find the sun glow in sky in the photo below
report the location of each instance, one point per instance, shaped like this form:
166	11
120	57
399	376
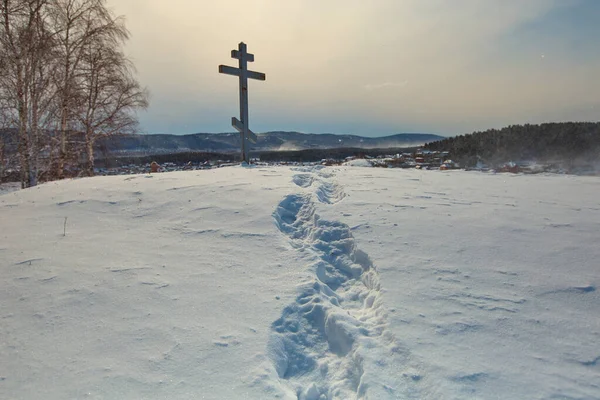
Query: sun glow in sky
367	67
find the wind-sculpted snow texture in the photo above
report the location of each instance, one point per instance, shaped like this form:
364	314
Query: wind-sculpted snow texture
301	283
332	340
508	268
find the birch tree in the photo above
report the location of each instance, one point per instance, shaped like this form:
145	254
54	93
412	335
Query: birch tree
62	72
41	92
23	46
77	24
111	96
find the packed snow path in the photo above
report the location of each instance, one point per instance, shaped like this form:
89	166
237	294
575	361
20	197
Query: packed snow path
332	341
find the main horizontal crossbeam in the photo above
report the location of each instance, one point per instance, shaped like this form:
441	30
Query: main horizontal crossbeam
226	69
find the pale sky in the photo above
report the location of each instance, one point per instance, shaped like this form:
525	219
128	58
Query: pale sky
367	67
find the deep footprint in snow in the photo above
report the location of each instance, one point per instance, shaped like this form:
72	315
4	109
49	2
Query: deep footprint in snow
303	180
330	193
315	331
325	342
326	192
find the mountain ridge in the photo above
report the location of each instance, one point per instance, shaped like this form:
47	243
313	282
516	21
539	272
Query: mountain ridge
268	141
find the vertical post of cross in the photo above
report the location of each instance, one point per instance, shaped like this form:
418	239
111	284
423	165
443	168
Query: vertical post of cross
242	125
243	65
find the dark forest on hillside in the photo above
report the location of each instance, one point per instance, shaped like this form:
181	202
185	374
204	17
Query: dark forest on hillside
568	143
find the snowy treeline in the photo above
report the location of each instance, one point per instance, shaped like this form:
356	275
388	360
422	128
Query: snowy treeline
64	82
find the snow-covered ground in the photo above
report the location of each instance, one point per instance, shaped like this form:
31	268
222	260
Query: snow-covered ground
310	283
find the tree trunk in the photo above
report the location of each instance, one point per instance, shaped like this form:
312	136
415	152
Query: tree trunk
23	146
34	142
89	145
62	155
1	160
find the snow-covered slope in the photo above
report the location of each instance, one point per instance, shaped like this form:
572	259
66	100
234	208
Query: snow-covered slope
310	283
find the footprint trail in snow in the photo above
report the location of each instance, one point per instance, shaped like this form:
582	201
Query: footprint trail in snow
332	342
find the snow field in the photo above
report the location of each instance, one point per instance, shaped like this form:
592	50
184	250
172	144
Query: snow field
490	280
307	283
164	286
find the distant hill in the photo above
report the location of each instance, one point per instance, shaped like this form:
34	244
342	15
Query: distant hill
270	141
567	143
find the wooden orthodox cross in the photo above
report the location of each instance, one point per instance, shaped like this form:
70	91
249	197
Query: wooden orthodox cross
241	125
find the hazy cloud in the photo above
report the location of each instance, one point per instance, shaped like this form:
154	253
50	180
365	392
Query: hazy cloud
471	64
385	85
